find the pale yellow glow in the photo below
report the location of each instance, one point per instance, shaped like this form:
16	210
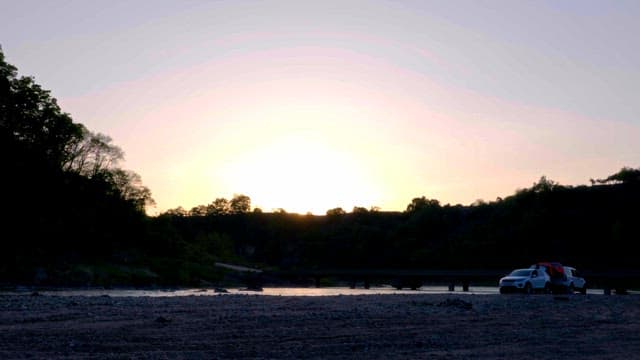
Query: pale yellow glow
302	173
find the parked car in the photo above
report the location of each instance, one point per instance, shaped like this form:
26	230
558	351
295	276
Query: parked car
525	280
574	281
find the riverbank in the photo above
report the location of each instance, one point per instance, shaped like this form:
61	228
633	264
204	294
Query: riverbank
370	326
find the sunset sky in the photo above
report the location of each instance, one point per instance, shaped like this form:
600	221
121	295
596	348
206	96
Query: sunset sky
311	105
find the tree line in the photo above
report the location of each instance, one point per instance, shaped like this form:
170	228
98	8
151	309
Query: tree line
72	215
586	226
65	197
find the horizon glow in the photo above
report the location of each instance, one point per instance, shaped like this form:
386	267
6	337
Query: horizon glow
309	107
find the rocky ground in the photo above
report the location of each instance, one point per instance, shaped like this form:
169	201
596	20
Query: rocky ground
338	327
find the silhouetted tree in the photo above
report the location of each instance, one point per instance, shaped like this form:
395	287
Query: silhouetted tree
625	175
240	204
129	185
31	121
92	155
421	203
359	210
179	211
68	199
336	212
200	210
544	185
219	206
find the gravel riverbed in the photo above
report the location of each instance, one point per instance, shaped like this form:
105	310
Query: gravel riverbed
434	326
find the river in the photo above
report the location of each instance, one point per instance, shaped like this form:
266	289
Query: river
267	291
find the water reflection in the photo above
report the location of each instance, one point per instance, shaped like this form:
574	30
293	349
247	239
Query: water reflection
333	291
273	291
268	291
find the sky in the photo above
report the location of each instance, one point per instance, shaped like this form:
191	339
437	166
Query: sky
312	105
